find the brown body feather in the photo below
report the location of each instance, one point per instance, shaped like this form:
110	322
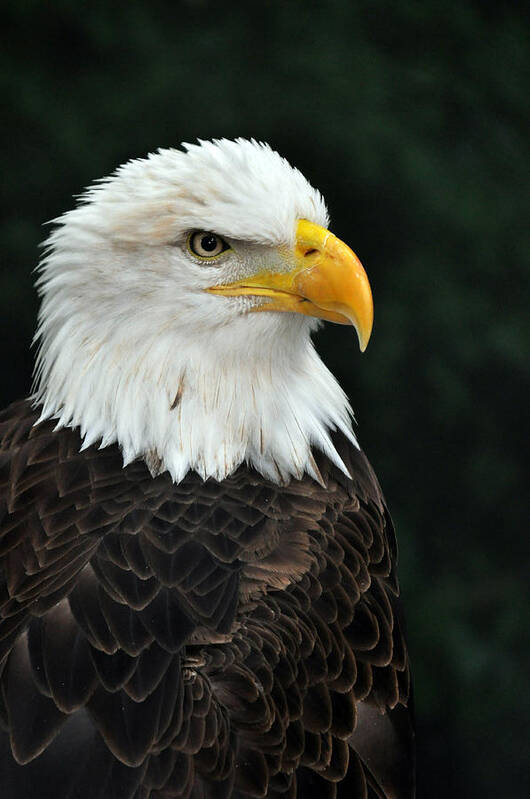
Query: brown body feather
233	639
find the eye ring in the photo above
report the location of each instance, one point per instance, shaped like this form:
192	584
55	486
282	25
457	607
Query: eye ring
206	245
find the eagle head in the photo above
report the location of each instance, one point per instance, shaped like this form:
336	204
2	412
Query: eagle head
178	299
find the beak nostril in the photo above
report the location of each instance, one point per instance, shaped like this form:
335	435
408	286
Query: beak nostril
310	252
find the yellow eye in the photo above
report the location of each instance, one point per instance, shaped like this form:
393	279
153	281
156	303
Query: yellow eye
206	245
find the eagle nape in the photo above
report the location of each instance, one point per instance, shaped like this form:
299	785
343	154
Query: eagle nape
198	588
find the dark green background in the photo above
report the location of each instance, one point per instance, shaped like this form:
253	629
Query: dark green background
410	117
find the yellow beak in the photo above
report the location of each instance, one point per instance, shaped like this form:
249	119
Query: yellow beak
324	279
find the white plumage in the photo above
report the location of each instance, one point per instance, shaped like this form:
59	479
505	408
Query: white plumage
132	348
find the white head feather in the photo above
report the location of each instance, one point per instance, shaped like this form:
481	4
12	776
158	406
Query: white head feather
134	351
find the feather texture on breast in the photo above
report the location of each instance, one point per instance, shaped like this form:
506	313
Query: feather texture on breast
201	639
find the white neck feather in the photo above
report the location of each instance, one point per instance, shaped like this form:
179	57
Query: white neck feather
197	408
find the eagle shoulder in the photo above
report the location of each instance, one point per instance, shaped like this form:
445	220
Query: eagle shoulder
240	638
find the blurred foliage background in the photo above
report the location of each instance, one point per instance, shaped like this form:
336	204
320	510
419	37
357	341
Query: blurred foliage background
410	117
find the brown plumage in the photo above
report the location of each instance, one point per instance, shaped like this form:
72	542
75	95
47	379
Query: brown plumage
206	639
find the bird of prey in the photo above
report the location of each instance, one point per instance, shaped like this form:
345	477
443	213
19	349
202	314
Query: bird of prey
198	591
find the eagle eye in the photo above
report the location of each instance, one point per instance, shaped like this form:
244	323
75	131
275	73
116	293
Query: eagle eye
206	245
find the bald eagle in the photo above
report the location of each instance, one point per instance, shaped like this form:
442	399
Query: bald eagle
198	592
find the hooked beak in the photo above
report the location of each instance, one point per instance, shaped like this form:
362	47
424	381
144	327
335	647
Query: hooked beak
324	278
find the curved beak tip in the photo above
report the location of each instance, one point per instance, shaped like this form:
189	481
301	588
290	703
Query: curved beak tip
363	336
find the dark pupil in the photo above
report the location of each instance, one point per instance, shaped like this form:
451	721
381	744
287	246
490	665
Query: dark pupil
209	243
